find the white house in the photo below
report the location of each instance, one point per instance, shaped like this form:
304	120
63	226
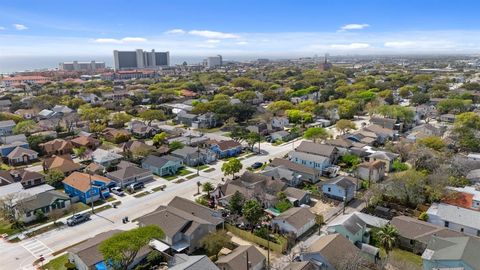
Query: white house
455	218
296	220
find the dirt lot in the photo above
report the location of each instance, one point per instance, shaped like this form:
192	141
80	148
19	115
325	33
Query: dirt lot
239	241
320	207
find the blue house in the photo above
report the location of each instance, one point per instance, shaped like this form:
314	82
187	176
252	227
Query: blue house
6	127
162	166
226	149
452	253
7	148
340	188
85	188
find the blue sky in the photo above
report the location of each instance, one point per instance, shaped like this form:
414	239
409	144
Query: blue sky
238	28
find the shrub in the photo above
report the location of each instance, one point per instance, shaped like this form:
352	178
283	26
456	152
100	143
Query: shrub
399	166
423	216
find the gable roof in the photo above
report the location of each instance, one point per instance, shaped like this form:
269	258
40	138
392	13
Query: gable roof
20	151
383	155
185	262
42	199
455	214
5	178
454	248
101	156
316	148
64	164
228	144
88	251
333	247
236	259
308	156
7	123
342	181
156	161
126	172
412	228
56	145
296	216
84	140
81	181
293	166
197	210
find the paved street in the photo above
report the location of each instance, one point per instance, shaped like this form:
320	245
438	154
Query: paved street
23	254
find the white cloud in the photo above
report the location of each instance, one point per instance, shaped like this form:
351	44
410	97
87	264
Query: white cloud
176	31
399	44
214	41
120	41
2	28
242	43
354	26
213	34
20	27
351	46
133	39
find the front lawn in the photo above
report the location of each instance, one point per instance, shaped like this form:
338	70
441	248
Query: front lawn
141	194
57	263
170	177
6	228
406	256
184	172
209	170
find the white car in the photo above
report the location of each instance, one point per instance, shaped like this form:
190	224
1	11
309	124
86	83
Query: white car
117	191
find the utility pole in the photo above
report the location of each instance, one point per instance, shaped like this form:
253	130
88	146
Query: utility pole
91	191
268	250
198	160
248	262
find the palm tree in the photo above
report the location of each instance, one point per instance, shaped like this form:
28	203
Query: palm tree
387	237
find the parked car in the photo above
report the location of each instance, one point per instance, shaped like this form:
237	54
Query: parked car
117	191
136	186
77	219
256	165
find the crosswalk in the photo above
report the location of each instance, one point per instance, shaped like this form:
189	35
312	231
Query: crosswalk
37	248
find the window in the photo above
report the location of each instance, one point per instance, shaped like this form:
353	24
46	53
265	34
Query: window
461	229
29	213
447	224
478	233
329	189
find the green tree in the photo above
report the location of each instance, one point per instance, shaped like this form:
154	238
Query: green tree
54	177
97	115
344	125
315	133
119	119
252	138
120	250
207	187
279	106
420	98
235	203
25	127
80	151
408	187
150	115
231	167
453	105
319	220
175	145
432	142
214	242
159	139
387	236
466	130
252	211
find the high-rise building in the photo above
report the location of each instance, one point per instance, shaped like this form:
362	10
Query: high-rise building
139	59
81	66
214	61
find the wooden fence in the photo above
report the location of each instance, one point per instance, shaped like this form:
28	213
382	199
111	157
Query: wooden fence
246	235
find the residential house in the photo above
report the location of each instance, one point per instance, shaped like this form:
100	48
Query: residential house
414	235
184	223
206	120
355	226
340	188
6	178
136	148
328	151
182	261
162	166
306	265
85	141
307	174
21	155
343	145
388	123
46	202
128	173
65	164
141	130
56	147
474	176
106	158
6	127
296	220
94	168
61	109
291	178
13	138
382	134
372	171
5	105
8	148
259	128
297	197
452	253
282	135
279	123
186	119
317	162
448	117
112	134
87	256
226	149
28	179
386	157
473	156
331	252
87	188
429	130
455	218
195	156
466	197
236	260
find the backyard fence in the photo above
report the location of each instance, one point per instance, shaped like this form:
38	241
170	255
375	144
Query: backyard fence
257	240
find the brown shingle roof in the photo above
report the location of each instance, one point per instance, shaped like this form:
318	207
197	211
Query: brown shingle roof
56	145
236	259
296	216
421	231
333	247
62	163
316	148
81	181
